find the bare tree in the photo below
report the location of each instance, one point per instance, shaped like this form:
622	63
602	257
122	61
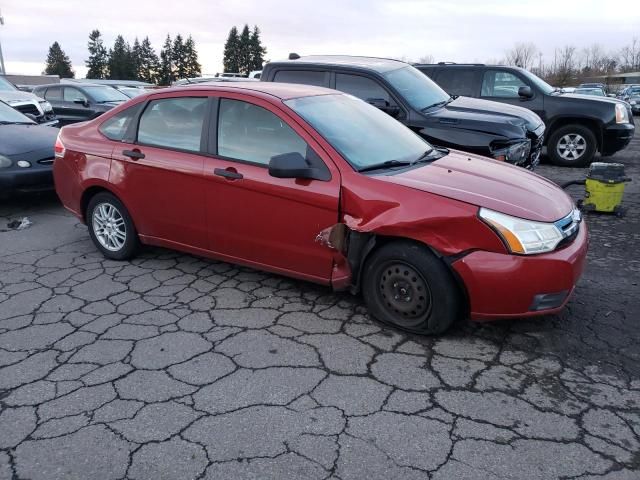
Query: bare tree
522	55
630	56
564	65
426	59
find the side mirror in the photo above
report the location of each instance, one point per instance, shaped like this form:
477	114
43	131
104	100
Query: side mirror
293	165
81	101
525	92
383	105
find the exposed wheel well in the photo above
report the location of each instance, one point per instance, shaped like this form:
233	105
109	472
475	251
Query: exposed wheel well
585	122
362	246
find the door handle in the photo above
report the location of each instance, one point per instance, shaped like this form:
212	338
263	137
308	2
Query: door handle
133	154
227	173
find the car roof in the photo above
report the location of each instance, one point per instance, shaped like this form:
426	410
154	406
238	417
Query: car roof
374	63
76	85
283	91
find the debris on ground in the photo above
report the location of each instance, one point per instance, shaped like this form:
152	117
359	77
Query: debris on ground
20	224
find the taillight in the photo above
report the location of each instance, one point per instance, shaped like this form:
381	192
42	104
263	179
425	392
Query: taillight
59	149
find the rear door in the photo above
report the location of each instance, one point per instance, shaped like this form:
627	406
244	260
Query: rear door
502	86
54	96
160	170
259	219
459	81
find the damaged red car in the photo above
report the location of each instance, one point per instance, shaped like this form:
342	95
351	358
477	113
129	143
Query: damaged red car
318	185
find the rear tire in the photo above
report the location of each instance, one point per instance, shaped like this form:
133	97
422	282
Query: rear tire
407	286
111	227
572	146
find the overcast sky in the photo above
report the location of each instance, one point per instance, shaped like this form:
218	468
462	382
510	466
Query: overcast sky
451	30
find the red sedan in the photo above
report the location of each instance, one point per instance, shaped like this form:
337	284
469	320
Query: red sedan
318	185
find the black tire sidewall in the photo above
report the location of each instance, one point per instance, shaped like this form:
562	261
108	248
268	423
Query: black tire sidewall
445	307
581	130
131	243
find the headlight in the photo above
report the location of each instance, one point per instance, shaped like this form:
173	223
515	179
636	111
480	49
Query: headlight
523	236
516	153
622	114
5	162
46	106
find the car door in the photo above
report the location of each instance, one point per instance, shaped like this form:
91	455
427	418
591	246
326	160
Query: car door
160	170
259	219
502	86
54	96
76	105
459	81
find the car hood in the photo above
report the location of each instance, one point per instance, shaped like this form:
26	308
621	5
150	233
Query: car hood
500	112
21	139
591	98
8	96
488	183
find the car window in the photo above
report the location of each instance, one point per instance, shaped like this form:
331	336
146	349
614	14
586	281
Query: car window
116	127
53	93
501	84
73	94
305	77
254	134
173	122
457	81
362	87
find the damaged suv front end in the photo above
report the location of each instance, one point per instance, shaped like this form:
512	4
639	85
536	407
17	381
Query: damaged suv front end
36	108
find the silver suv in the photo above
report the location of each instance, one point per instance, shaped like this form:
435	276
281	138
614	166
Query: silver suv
27	103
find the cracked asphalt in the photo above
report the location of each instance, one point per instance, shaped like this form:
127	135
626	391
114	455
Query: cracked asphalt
178	367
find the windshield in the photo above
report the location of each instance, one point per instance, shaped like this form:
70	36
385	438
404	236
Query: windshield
417	89
6	85
132	92
364	135
9	115
541	84
106	94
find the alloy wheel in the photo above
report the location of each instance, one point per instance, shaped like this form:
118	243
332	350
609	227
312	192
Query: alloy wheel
109	227
571	146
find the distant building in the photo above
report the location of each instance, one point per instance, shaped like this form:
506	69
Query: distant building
32	80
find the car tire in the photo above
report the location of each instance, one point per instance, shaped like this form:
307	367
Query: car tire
111	227
572	146
407	286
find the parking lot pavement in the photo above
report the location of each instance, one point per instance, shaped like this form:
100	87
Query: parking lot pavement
174	367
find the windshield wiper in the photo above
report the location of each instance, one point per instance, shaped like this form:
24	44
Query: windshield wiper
387	164
4	122
438	104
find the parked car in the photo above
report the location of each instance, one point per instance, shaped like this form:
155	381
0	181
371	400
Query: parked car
595	91
27	103
26	152
131	92
601	86
505	133
80	102
577	126
318	185
631	95
255	74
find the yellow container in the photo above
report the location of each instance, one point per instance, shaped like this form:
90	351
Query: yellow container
604	187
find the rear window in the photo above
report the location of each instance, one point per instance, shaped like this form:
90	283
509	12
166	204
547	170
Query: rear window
54	93
306	77
116	127
174	123
457	81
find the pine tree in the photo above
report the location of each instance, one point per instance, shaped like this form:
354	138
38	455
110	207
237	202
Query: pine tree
149	67
244	53
231	52
166	75
58	62
257	51
98	60
121	65
178	57
136	58
192	66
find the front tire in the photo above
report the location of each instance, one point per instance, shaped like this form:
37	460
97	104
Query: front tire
111	227
407	286
572	146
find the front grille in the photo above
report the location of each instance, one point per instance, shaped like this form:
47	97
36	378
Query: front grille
46	161
28	108
569	226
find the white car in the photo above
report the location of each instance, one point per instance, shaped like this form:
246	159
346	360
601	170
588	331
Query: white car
27	103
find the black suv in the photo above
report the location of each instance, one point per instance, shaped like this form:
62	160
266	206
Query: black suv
77	103
512	134
577	125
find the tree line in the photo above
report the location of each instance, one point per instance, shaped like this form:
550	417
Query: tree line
178	59
243	52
